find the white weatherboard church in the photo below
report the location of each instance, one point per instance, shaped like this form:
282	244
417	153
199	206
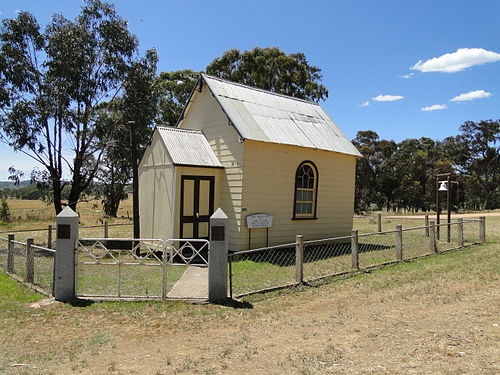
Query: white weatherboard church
276	164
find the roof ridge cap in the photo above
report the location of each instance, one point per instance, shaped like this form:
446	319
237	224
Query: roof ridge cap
259	89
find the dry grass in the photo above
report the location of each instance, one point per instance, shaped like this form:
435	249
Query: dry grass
437	315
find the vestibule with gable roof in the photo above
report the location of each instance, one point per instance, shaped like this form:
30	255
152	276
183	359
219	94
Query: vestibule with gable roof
248	151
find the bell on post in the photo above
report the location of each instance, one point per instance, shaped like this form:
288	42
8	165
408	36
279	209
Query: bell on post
443	186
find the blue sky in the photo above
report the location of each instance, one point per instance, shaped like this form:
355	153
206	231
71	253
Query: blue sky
369	52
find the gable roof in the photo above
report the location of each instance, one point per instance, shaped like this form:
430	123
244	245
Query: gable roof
188	147
264	116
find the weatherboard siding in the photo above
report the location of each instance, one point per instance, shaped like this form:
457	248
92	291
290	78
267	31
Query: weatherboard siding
268	187
156	195
206	115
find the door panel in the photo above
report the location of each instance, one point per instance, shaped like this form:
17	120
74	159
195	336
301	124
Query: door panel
197	205
204	208
188	206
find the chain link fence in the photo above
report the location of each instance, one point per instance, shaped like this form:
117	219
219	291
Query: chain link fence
135	268
326	257
261	269
274	267
28	263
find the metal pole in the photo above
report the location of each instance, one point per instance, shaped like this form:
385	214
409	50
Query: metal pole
437	207
448	204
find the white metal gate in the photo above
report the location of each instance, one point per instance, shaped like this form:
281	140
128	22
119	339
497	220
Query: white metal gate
138	268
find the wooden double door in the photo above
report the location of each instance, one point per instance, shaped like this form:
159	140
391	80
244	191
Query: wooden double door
197	205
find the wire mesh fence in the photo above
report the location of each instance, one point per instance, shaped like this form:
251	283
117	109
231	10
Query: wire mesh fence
376	248
416	242
133	268
263	268
326	257
471	230
273	267
30	263
4	243
43	266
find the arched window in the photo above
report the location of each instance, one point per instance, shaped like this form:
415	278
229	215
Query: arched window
306	191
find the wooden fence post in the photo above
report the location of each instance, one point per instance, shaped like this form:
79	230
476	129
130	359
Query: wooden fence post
30	261
355	250
49	237
460	227
426	225
399	243
432	237
299	259
379	222
106	229
10	254
482	229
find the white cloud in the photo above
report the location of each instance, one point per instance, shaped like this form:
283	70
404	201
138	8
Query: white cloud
364	104
461	59
387	98
435	107
407	76
471	95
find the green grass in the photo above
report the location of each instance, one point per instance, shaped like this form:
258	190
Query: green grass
14	295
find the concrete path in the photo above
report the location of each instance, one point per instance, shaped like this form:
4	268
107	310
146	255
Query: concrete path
192	284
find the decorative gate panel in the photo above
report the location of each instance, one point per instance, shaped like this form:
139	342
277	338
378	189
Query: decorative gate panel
135	268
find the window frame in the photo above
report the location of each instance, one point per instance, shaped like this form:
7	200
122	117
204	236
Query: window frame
313	215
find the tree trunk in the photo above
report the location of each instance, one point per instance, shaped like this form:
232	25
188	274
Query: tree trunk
135	182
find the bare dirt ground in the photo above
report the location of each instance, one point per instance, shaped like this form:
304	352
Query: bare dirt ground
437	315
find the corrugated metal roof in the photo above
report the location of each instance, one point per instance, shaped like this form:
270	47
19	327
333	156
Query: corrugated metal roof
269	117
188	147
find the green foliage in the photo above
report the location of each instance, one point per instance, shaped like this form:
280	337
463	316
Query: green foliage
273	70
51	84
175	88
403	176
130	116
5	212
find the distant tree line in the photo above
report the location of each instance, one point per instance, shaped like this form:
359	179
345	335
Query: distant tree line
80	87
402	176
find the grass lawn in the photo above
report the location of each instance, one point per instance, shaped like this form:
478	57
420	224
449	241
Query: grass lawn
432	315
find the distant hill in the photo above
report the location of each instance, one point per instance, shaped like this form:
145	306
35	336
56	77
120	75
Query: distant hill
11	185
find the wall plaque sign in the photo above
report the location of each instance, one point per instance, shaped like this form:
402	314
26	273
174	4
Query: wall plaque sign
259	221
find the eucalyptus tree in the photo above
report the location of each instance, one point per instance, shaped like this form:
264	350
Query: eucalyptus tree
174	89
133	112
476	152
51	83
273	70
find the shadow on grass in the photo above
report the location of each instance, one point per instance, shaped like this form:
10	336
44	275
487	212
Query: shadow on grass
80	302
286	256
235	304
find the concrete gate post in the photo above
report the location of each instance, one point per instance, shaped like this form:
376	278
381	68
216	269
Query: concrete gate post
65	267
217	258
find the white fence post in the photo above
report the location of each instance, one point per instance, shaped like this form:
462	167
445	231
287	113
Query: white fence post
65	267
299	259
217	258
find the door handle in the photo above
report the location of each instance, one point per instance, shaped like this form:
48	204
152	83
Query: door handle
197	215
